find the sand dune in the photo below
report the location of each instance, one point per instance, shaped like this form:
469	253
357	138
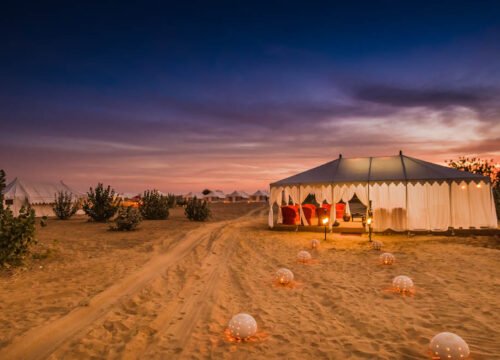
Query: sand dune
172	296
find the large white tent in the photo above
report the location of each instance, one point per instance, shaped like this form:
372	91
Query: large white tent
406	193
39	195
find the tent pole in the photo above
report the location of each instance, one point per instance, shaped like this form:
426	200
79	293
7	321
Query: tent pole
451	207
406	188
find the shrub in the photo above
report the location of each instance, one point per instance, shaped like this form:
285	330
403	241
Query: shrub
197	209
154	206
2	187
128	219
64	206
171	200
101	204
17	234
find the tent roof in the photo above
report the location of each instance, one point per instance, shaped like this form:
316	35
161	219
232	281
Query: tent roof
239	193
385	168
36	192
260	193
217	194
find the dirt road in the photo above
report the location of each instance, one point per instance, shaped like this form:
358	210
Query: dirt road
154	308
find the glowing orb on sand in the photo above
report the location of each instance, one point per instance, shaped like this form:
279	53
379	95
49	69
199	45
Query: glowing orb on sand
402	284
387	259
304	256
242	326
447	345
314	244
284	276
377	245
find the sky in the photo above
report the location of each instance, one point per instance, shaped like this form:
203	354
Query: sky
183	96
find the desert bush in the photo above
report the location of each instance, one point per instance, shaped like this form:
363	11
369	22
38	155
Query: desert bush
17	234
64	205
127	219
484	167
171	200
154	206
101	204
43	221
2	187
197	209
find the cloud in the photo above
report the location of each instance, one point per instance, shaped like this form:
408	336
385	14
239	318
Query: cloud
399	96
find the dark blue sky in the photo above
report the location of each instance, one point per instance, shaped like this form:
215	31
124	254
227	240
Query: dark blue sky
234	95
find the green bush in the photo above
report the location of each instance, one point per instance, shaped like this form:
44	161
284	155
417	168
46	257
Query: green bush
197	209
43	221
2	187
101	204
17	234
64	206
128	219
171	200
154	206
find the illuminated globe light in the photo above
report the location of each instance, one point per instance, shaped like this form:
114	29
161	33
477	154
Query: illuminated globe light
304	256
449	346
284	276
387	259
402	284
314	244
242	326
377	245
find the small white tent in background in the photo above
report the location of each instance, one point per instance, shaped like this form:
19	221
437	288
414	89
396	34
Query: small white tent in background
39	195
215	196
259	196
236	196
191	195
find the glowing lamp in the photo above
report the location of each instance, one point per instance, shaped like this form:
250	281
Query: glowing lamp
387	259
325	221
450	346
369	221
377	245
242	326
478	186
304	256
284	276
463	187
314	244
402	284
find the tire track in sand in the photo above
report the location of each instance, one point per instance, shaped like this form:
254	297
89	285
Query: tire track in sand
173	333
40	342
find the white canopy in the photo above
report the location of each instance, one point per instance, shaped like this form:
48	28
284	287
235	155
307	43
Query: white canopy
38	194
406	193
240	194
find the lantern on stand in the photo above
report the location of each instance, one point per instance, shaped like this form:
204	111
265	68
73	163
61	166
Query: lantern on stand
369	221
325	221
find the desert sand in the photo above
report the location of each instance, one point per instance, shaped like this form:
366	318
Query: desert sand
168	290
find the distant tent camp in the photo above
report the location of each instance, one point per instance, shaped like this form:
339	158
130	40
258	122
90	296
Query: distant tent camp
215	196
39	195
191	195
259	196
236	196
406	193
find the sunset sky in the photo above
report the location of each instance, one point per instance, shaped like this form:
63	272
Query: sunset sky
184	96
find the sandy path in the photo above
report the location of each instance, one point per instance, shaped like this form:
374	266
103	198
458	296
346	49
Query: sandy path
40	342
